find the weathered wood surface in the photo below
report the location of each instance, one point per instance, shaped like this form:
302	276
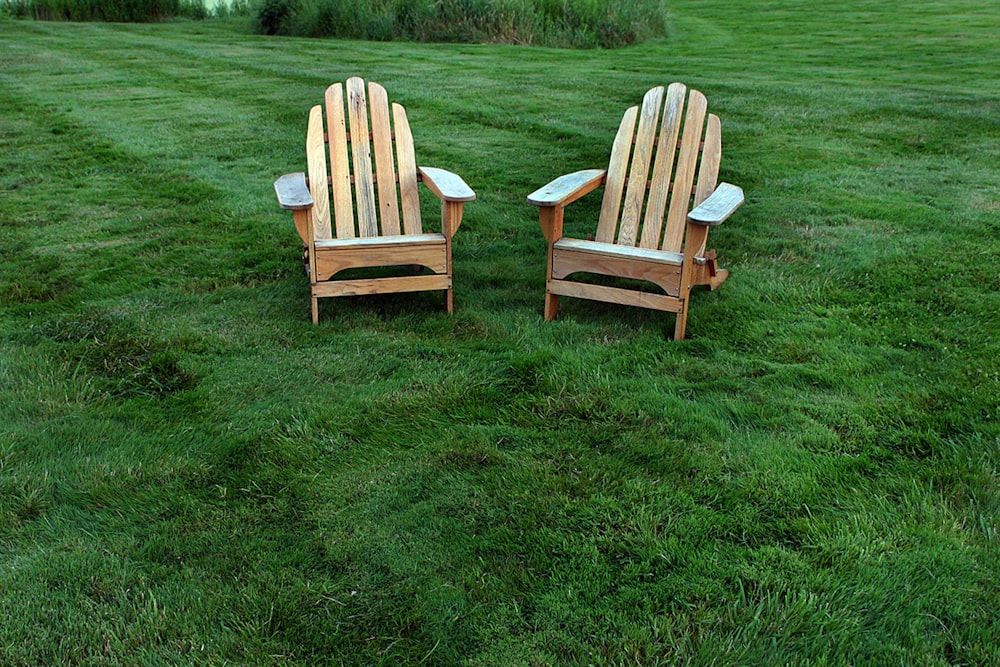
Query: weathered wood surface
642	157
717	208
340	164
616	250
684	172
385	166
316	159
364	286
614	183
617	295
568	188
386	241
446	185
407	163
293	193
361	155
659	187
331	261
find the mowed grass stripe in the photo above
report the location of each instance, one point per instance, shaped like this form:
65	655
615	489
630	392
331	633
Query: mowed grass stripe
192	473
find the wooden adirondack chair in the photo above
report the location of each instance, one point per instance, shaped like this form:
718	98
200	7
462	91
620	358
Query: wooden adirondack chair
372	181
651	180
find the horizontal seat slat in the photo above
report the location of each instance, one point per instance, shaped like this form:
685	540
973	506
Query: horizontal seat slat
615	250
377	241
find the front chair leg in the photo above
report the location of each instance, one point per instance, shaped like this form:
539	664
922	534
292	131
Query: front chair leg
551	220
450	215
680	326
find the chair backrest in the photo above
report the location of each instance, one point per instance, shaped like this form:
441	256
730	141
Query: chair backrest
372	176
660	170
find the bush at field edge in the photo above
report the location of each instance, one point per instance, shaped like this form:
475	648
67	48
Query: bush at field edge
572	23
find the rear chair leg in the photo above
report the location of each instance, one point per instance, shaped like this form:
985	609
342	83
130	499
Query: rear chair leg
315	310
449	301
719	278
551	306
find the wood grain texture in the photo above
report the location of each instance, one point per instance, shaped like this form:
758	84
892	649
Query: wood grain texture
365	286
446	185
382	241
663	167
650	255
330	262
361	155
293	193
617	295
406	162
385	167
614	183
340	166
642	157
566	262
568	188
684	172
316	160
719	206
711	156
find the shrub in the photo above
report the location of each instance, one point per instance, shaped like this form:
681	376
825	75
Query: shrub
575	23
132	11
15	8
235	8
274	17
193	9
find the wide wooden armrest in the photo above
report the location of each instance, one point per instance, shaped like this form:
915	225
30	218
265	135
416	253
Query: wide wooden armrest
293	194
720	205
568	188
446	185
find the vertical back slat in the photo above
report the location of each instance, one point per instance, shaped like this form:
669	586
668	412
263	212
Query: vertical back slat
385	168
642	158
407	164
687	162
711	156
318	178
340	166
615	182
666	152
361	153
708	172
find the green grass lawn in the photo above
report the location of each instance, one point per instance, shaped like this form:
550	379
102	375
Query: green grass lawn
191	473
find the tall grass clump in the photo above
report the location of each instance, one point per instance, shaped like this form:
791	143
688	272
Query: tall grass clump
123	11
15	8
565	23
118	11
198	9
235	8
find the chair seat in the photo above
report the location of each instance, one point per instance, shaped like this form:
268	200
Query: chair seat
381	241
622	251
